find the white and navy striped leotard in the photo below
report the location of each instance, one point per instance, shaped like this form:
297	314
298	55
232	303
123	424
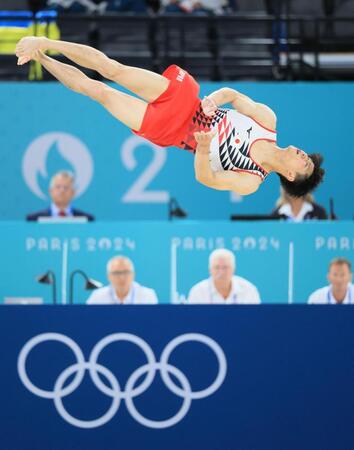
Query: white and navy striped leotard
231	147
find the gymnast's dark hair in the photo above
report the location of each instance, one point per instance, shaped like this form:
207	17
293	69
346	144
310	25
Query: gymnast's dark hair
302	184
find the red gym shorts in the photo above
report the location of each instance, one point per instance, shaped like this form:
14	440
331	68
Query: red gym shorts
166	118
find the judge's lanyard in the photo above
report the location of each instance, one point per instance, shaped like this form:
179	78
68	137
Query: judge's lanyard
130	299
212	293
348	294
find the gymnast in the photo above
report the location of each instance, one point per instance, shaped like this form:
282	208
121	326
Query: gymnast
235	149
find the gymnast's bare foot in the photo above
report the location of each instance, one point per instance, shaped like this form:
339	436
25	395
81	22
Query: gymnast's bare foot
27	47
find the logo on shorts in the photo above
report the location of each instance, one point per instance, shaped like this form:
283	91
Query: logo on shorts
72	153
181	75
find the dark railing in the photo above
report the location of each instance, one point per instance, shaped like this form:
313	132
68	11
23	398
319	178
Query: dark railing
215	48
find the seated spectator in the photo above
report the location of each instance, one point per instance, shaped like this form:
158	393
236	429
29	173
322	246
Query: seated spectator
340	290
122	290
98	6
78	6
297	209
223	287
194	6
137	6
61	191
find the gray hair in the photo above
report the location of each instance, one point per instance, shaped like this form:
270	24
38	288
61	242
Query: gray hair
222	253
65	174
341	261
120	258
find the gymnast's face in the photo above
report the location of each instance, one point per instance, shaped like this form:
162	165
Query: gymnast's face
298	163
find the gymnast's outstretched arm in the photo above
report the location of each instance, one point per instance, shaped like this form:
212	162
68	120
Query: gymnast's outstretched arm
243	104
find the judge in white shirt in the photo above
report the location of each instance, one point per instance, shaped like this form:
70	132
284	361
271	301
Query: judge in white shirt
341	290
223	287
122	290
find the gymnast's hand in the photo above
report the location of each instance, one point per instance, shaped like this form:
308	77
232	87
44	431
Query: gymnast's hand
27	48
204	139
209	107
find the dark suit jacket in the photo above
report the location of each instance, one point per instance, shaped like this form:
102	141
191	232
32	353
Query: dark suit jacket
47	213
318	213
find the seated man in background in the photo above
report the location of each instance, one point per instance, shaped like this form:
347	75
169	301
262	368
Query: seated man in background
223	287
61	191
297	209
194	6
98	6
122	290
340	290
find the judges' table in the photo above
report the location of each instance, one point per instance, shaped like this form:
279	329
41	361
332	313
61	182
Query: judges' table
169	377
286	261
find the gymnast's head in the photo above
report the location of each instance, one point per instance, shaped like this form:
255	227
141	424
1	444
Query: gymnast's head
303	172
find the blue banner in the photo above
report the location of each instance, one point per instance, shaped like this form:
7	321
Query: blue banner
286	261
211	378
46	128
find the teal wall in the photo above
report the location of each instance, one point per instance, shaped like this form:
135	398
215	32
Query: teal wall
45	127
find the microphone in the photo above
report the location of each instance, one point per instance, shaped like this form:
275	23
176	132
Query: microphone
332	215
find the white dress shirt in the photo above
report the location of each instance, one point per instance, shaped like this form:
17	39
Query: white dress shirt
324	296
138	295
287	211
242	292
55	210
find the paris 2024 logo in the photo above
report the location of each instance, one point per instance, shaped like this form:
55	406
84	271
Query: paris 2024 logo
71	149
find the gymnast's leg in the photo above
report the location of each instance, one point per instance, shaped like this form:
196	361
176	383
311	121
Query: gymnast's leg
144	83
129	110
